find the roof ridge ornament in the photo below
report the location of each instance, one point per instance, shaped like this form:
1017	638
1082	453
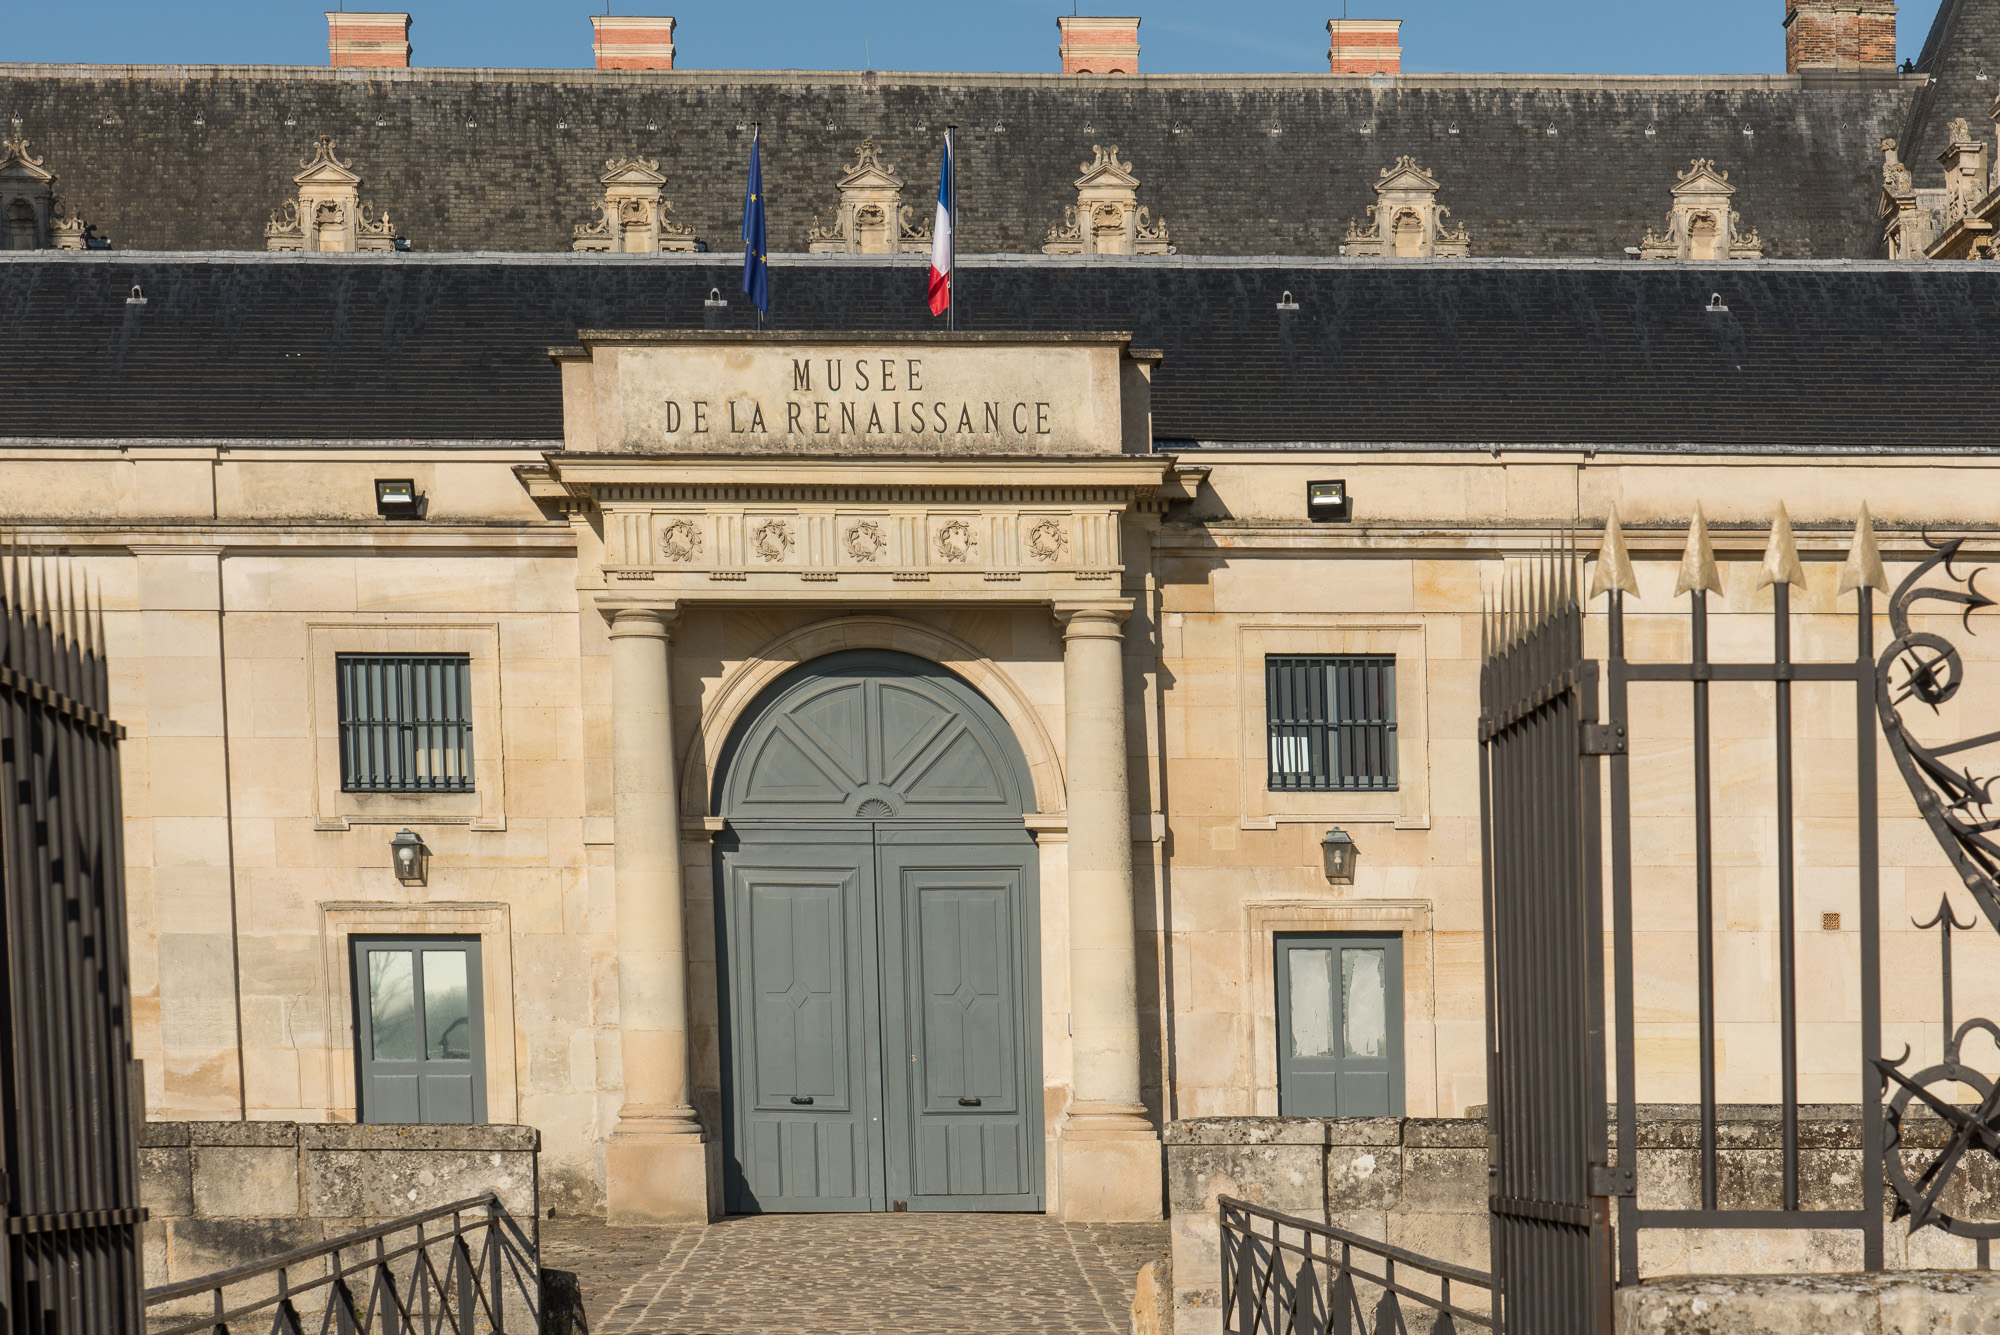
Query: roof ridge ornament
1781	558
1698	570
1614	565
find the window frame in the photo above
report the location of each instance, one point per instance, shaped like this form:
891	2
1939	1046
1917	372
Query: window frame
1346	677
409	696
359	945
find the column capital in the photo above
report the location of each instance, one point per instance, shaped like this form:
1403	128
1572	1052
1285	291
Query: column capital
1099	620
643	615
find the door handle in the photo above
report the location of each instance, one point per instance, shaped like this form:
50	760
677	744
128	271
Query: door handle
802	1099
968	1103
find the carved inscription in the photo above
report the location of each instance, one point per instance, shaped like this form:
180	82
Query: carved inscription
880	397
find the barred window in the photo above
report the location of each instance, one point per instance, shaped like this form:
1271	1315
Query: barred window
405	723
1332	722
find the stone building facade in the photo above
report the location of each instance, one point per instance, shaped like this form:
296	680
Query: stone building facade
947	629
854	765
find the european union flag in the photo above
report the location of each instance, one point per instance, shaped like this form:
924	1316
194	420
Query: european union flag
756	266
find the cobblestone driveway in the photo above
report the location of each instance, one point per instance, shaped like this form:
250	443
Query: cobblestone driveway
826	1274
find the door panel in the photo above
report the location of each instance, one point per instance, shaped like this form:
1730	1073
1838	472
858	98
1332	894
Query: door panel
963	1112
1340	1025
419	1030
801	1021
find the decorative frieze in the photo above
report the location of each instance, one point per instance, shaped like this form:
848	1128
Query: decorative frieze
1406	221
1704	225
633	217
32	215
1107	218
887	543
872	218
328	214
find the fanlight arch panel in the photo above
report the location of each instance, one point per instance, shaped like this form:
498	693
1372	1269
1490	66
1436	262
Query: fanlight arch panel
872	735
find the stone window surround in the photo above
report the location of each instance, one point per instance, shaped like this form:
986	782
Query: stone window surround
1408	806
1263	920
484	808
341	921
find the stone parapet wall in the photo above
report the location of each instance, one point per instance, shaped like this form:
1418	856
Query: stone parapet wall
1420	1183
224	1194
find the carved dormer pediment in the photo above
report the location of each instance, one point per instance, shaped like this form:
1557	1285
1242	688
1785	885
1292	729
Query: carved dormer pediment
1703	226
32	216
871	218
1107	218
328	214
632	219
1406	221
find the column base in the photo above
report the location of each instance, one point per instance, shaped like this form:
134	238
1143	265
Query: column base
1110	1174
653	1179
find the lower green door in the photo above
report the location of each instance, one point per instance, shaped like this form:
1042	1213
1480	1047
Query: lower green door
879	994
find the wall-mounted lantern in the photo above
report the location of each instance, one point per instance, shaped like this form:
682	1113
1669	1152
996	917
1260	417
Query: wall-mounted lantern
1341	856
411	857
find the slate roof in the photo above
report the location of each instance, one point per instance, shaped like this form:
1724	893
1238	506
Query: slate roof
1807	356
197	158
1962	57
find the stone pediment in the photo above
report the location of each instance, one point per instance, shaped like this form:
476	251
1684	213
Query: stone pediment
323	168
1106	170
1406	175
869	173
632	171
16	166
1701	178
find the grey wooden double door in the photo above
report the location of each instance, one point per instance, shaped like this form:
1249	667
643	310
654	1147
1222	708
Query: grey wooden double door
878	923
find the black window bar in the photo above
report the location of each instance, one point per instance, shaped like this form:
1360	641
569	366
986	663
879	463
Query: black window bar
1332	720
405	723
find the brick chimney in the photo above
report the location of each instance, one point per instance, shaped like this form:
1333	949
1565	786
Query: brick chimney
1840	35
380	41
1365	46
1099	45
624	43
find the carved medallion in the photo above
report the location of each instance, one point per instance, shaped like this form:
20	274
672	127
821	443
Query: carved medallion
774	540
956	543
1047	540
680	541
865	541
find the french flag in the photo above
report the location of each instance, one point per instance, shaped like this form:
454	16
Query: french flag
941	238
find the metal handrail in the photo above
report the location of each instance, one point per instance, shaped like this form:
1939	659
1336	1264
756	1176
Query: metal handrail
478	1284
1271	1279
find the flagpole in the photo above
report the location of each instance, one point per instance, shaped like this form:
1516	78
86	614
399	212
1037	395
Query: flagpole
757	147
957	285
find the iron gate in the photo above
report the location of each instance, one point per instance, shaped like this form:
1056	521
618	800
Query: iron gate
1538	798
66	1125
1542	743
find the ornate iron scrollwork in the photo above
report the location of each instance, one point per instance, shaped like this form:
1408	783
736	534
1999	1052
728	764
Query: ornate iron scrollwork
1958	806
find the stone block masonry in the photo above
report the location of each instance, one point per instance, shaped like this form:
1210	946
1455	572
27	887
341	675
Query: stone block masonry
1421	1183
224	1194
1093	45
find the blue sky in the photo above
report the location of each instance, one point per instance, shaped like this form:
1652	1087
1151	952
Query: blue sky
1526	36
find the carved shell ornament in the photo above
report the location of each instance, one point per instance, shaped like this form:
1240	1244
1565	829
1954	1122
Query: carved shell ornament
865	541
1047	540
956	543
773	540
680	541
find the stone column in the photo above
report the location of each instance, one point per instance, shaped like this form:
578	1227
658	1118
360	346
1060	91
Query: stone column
657	1166
1109	1152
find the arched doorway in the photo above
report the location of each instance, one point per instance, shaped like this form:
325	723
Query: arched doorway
877	915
